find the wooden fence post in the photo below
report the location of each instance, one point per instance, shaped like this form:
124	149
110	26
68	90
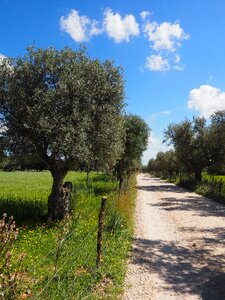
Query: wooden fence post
101	218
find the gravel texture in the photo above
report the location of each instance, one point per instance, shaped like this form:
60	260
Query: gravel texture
179	245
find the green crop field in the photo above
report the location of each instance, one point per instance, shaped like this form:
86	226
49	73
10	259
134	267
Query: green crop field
60	258
24	194
31	185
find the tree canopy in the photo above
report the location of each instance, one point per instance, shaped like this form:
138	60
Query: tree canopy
165	164
216	142
190	143
63	107
136	141
198	146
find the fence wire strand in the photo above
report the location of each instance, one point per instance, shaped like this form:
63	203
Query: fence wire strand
61	267
109	209
52	251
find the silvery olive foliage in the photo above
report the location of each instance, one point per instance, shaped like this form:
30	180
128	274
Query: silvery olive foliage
135	141
64	107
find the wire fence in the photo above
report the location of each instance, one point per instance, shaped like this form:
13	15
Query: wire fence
67	281
68	269
54	249
76	261
75	254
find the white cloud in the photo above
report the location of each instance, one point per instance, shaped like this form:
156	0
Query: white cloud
165	36
80	28
177	65
164	39
206	99
157	63
118	28
157	114
155	145
178	68
177	59
144	15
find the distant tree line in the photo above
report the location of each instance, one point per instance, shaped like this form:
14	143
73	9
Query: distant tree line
61	111
198	146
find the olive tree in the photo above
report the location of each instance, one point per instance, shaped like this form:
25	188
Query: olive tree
164	165
51	100
216	142
190	141
136	141
106	132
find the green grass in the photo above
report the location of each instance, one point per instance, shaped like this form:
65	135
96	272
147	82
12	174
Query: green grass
211	186
210	177
75	275
24	194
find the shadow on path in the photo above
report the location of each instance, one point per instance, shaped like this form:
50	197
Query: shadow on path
186	270
184	201
199	205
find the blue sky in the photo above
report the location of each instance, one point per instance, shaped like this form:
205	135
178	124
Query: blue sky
173	52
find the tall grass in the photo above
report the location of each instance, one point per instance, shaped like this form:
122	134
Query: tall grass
211	186
62	262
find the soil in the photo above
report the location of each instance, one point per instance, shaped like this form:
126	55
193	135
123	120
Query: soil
179	245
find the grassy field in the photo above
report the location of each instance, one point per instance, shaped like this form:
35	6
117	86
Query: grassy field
211	186
24	194
60	258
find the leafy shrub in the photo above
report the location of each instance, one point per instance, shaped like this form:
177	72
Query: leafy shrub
188	184
212	189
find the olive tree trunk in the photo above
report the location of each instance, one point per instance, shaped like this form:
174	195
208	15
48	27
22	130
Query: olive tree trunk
121	182
198	175
56	205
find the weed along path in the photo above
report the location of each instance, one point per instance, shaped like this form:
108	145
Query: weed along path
179	245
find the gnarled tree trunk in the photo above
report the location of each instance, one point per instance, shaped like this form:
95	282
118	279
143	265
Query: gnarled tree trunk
56	209
198	175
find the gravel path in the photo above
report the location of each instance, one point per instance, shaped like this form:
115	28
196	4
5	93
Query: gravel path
179	245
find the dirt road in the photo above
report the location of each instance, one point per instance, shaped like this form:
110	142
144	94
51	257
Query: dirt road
179	245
